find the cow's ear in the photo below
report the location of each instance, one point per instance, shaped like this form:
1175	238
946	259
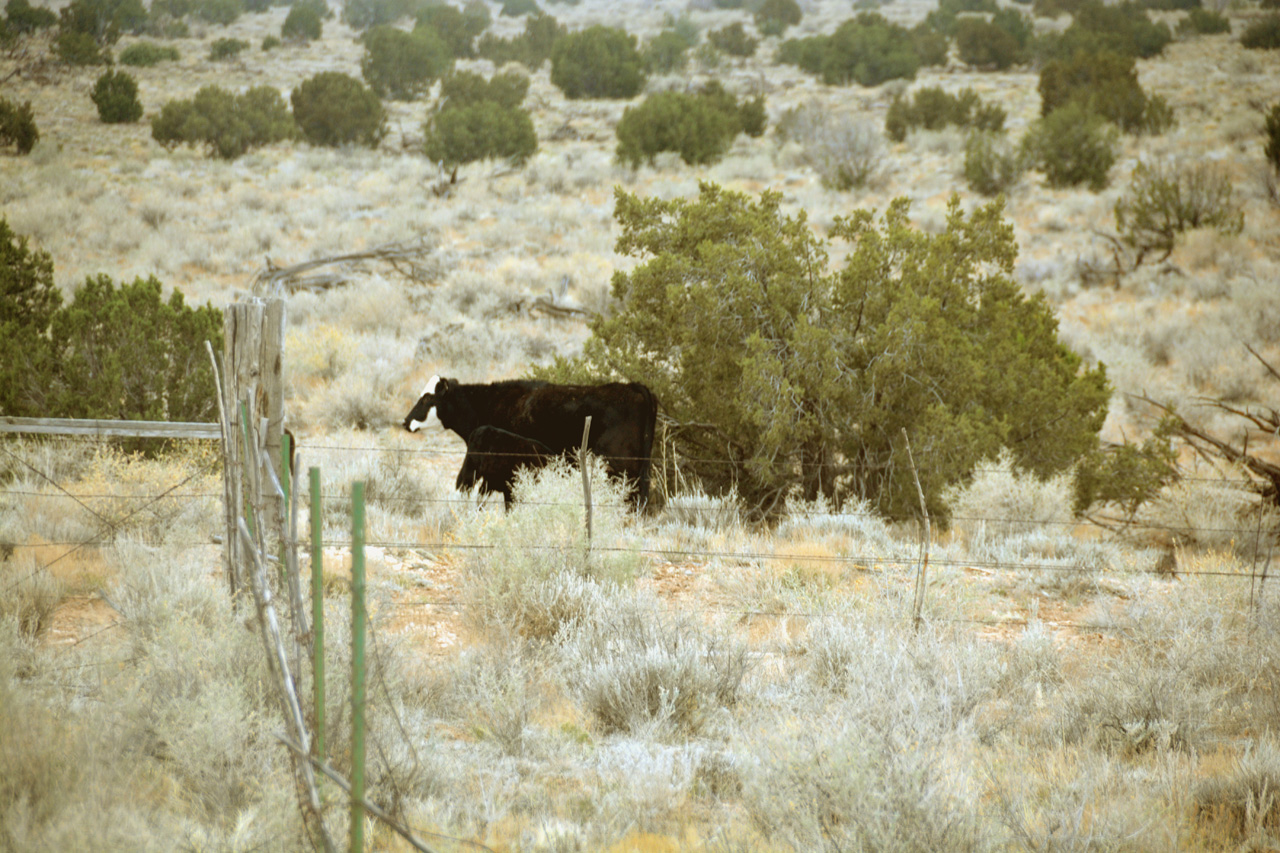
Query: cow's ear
444	386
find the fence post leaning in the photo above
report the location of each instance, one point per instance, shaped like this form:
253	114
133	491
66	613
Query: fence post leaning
924	545
357	668
586	476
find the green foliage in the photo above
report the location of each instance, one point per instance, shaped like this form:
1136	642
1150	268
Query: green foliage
335	109
221	12
1203	22
983	44
402	65
666	52
1104	83
733	40
932	108
145	54
991	164
1072	146
367	14
700	126
805	377
77	48
531	48
516	8
1262	34
21	18
302	24
92	18
1126	475
1271	128
116	96
946	17
270	42
1123	28
1165	200
111	353
930	47
227	48
456	29
18	125
480	119
773	17
598	62
867	50
228	124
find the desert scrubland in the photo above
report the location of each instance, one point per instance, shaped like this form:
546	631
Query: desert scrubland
695	679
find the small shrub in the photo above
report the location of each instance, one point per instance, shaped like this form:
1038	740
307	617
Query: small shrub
984	44
846	152
454	27
635	669
1203	22
116	97
516	8
598	62
932	108
773	17
1163	201
483	130
1104	83
1271	128
992	165
77	48
666	52
145	54
695	126
1262	34
228	124
531	48
867	50
335	109
221	12
18	125
302	24
367	14
226	48
21	18
270	43
1157	116
1072	146
402	65
1007	502
733	40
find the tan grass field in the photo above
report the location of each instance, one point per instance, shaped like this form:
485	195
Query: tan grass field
695	682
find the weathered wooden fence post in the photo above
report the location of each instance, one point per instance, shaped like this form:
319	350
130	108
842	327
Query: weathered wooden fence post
253	374
586	475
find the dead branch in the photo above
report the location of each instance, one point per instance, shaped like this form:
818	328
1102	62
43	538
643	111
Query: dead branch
1211	448
407	258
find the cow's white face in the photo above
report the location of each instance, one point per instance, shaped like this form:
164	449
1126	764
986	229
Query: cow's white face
431	419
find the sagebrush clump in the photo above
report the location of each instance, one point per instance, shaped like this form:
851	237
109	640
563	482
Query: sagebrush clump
932	108
1164	200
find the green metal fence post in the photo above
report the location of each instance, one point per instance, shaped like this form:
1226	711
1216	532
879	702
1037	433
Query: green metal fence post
357	668
317	609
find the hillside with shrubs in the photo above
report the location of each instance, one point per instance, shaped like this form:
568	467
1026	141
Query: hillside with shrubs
964	323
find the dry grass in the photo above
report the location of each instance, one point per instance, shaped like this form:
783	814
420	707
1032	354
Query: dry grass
1072	703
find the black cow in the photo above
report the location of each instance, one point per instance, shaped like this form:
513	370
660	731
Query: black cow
493	457
623	416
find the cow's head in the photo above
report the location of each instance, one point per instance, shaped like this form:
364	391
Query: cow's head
421	413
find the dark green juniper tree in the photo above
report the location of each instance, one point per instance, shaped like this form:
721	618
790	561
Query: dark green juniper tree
805	377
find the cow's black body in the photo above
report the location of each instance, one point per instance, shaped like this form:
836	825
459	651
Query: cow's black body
623	416
493	457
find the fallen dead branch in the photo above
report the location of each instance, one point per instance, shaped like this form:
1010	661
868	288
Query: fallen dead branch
408	258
